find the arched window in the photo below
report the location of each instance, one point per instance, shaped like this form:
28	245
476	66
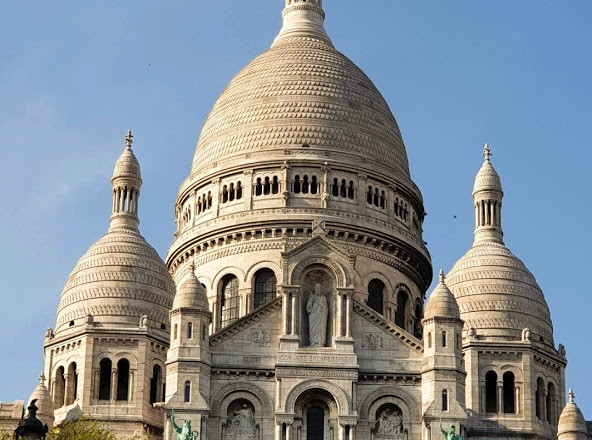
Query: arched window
232	193
382	199
369	195
444	400
540	397
265	287
204	332
443	339
225	194
335	188
156	385
123	373
187	394
551	418
297	185
376	295
417	317
376	196
190	331
72	390
315	423
491	392
59	388
175	331
105	367
401	308
209	199
350	190
430	340
230	301
314	187
509	393
305	185
258	187
343	189
275	185
266	186
239	191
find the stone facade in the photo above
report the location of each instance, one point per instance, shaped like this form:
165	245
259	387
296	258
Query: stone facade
290	305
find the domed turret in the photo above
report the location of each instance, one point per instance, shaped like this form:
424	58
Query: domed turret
441	302
572	425
44	402
191	294
497	295
121	277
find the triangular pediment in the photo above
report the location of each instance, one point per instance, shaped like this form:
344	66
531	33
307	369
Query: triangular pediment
318	245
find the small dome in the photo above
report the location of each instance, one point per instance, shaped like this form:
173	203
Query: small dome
441	302
127	166
44	402
571	419
487	179
191	294
118	280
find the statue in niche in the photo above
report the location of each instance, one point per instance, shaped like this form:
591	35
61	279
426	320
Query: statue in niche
184	432
241	425
389	425
317	309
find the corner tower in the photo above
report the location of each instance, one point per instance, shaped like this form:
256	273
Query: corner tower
112	325
515	375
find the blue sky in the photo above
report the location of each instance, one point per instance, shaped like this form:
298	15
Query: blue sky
74	76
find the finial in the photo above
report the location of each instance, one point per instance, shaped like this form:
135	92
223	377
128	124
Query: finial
129	139
487	152
42	379
571	396
442	276
192	266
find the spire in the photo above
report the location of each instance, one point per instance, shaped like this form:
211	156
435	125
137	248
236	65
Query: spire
441	276
303	18
487	197
126	183
571	398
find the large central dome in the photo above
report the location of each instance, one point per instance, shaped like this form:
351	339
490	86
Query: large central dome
301	91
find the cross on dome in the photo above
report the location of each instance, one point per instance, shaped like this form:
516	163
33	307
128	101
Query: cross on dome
129	139
571	396
487	152
441	276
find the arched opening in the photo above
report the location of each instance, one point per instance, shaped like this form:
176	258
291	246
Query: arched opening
123	374
443	339
224	194
297	184
190	330
369	195
417	317
491	392
551	417
430	340
444	400
265	287
509	393
540	398
350	190
229	299
335	188
376	295
105	367
232	192
343	189
59	388
258	187
239	191
314	186
315	423
317	315
156	384
275	185
266	186
402	299
72	384
187	393
175	331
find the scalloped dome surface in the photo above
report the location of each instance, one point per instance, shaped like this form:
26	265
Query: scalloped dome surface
301	91
487	179
498	296
441	303
118	280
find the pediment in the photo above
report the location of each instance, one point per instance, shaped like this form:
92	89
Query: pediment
317	245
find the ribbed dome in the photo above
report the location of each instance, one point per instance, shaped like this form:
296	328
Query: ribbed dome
301	91
496	293
441	302
571	419
118	280
44	402
191	294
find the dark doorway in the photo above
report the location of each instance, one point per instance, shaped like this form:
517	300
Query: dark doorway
376	295
315	423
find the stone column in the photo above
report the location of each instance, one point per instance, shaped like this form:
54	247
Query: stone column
294	329
248	190
325	186
339	332
67	386
348	312
362	193
286	186
500	397
216	196
289	433
341	432
113	384
285	312
130	386
517	407
278	431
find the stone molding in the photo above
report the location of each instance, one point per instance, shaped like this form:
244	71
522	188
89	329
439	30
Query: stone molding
342	399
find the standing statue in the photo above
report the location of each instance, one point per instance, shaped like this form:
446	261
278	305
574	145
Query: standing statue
241	425
185	432
450	434
389	424
317	310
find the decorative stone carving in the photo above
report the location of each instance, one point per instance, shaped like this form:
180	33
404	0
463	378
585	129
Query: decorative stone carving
389	425
317	309
261	337
372	341
241	424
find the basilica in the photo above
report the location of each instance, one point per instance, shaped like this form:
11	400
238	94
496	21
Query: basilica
291	304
